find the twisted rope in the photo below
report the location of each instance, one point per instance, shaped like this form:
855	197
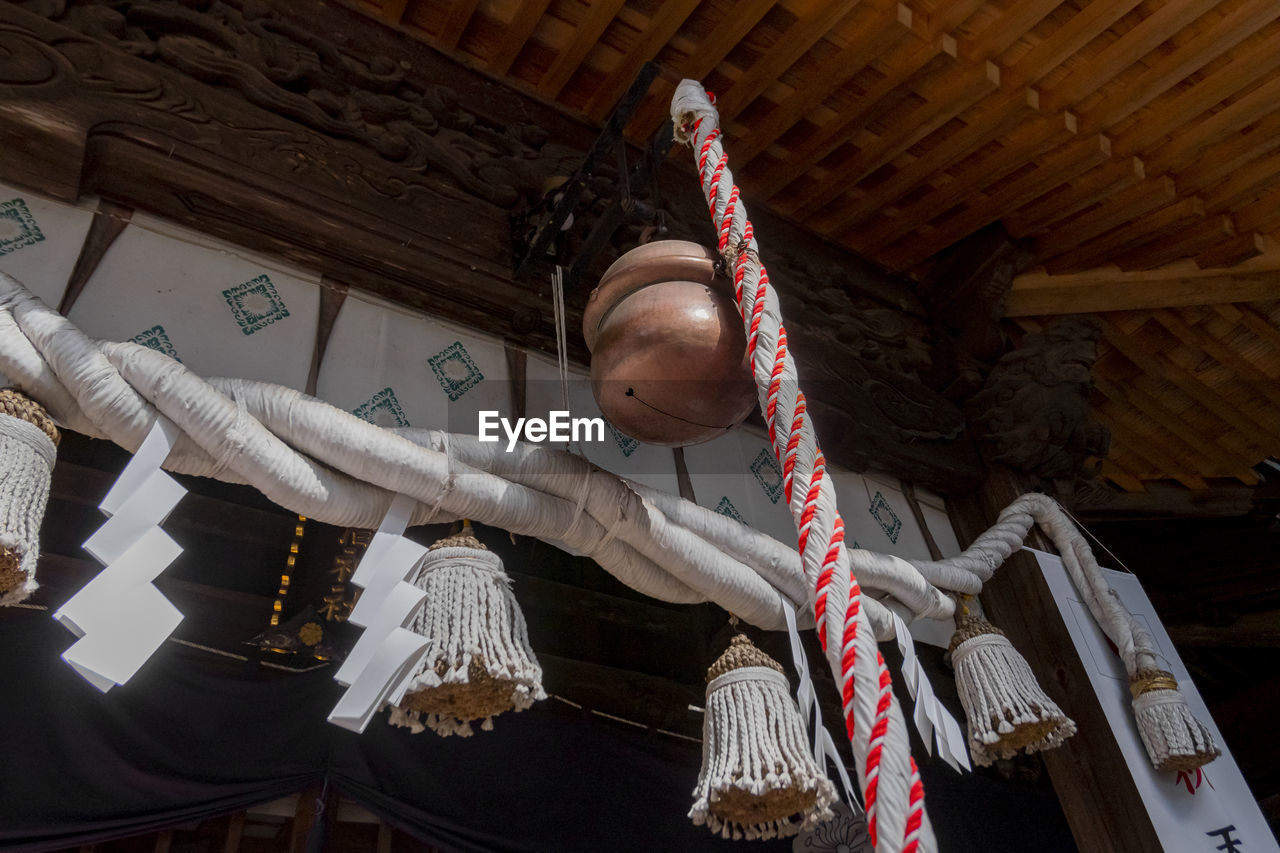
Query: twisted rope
887	773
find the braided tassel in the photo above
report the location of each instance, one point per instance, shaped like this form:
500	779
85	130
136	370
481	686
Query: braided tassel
1004	705
758	778
479	662
28	447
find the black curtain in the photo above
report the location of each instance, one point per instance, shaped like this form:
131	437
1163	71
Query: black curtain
193	735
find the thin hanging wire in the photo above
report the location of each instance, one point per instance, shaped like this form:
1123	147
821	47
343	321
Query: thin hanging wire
562	355
1101	545
562	342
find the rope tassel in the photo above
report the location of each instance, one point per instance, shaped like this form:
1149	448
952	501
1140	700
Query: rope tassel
1174	738
1004	705
28	447
758	778
478	662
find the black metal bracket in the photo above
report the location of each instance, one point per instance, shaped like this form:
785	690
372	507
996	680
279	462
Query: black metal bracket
645	172
570	193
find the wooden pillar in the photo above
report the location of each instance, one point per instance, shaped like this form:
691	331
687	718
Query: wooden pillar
1092	781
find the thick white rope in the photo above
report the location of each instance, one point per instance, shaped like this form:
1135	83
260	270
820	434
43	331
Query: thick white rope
260	434
887	772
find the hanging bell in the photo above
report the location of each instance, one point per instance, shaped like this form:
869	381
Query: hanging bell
28	447
668	353
478	662
758	778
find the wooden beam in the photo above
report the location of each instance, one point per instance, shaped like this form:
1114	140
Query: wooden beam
599	15
303	817
1195	130
1232	251
1070	198
1166	501
723	38
1185	59
235	832
1263	214
1069	162
1108	289
1121	476
1039	138
667	20
1246	315
802	35
1244	184
1141	440
1082	28
902	68
1214	163
1153	30
1249	630
1155	225
392	11
455	24
516	34
1004	31
884	31
109	221
1069	234
1152	410
961	91
1090	776
1197	338
993	117
332	295
1201	236
1259	432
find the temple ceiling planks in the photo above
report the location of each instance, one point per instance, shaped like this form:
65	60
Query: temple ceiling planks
1139	133
1133	146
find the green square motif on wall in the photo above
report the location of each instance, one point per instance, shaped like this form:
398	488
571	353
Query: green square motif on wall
886	517
626	443
726	508
255	304
18	227
456	370
768	475
157	338
383	410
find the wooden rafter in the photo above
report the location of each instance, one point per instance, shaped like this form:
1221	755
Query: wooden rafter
731	29
1261	430
660	29
1107	289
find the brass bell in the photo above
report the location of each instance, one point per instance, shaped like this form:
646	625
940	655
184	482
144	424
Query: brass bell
668	353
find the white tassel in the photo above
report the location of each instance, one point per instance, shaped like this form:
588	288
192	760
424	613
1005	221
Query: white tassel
1174	738
27	454
758	777
478	662
1004	705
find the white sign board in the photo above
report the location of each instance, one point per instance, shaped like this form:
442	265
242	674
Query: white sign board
1206	811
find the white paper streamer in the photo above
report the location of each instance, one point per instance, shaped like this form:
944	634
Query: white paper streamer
823	745
931	718
120	618
386	654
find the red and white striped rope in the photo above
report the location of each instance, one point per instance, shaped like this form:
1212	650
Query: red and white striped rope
890	781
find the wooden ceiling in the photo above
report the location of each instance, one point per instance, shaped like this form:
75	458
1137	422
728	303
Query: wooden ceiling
1189	393
1104	130
1135	145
